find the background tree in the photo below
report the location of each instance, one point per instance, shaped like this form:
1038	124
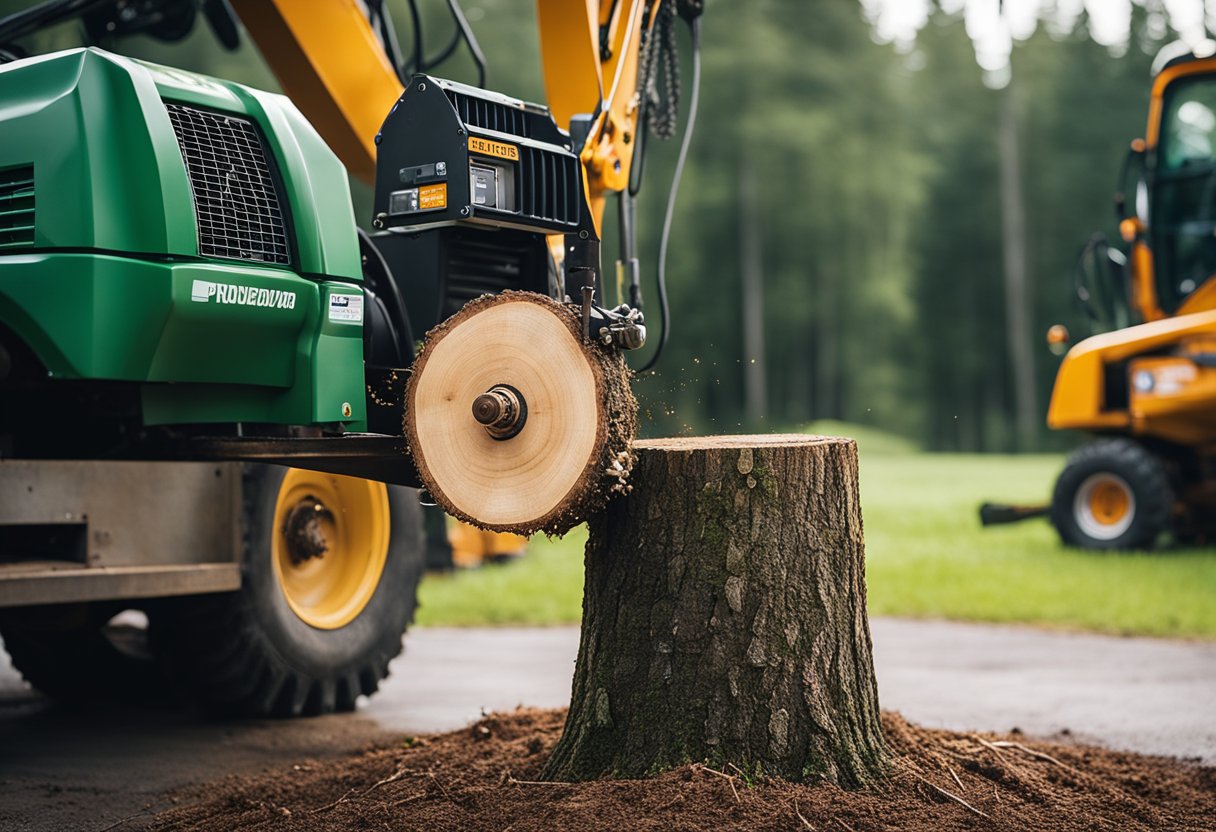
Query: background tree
864	178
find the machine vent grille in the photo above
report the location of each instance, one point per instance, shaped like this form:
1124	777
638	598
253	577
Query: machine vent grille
550	186
17	206
489	115
238	210
476	267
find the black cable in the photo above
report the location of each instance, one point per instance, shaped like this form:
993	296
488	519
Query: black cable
405	341
470	39
379	17
417	58
664	311
447	51
637	169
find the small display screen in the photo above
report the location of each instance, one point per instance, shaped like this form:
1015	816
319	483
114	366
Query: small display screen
483	185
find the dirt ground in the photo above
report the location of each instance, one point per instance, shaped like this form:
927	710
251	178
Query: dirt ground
484	777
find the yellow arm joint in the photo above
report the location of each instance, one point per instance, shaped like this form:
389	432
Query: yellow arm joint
575	73
333	67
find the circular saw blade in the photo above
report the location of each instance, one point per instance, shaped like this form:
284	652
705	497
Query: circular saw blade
572	452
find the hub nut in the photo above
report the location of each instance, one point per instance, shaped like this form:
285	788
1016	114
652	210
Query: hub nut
502	410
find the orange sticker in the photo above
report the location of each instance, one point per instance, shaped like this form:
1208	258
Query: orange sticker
431	197
489	148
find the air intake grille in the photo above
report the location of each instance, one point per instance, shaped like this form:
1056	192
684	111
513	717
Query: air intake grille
477	267
17	206
238	211
550	187
489	115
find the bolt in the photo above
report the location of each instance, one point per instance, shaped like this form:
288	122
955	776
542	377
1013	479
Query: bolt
421	86
582	235
488	408
502	411
378	222
346	409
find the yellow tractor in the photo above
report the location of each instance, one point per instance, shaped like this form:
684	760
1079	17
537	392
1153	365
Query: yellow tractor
1145	385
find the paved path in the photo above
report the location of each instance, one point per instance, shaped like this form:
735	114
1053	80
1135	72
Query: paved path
85	770
1147	695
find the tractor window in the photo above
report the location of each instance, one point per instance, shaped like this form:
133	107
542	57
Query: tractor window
1183	210
1190	125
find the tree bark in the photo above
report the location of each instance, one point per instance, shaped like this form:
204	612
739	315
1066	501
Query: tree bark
724	617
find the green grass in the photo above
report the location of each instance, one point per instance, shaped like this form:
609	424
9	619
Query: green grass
926	557
543	588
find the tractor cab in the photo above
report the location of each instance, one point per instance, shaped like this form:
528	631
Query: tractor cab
1144	383
1165	203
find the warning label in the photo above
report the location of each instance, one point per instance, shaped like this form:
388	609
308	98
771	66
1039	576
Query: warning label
346	308
431	197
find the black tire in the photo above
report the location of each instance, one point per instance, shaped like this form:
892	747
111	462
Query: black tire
249	653
75	653
1121	463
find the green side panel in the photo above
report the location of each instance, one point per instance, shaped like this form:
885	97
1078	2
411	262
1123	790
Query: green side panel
332	361
109	175
339	347
252	343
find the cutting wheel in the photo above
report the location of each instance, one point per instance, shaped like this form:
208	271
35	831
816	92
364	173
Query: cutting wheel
514	422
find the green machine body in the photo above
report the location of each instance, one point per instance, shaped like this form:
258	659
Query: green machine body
188	240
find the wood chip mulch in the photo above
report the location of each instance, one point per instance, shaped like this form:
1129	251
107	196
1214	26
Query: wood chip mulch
484	778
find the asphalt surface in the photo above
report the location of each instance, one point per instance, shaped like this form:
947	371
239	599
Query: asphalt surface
66	769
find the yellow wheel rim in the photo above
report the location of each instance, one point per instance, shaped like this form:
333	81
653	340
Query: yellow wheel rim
346	517
1105	506
1109	502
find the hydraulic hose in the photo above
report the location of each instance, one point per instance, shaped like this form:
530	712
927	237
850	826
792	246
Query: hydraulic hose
664	240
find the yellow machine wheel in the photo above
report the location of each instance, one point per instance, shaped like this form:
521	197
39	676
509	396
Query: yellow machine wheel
329	545
1113	494
329	582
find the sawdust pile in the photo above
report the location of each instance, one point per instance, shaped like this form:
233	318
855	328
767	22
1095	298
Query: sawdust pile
484	778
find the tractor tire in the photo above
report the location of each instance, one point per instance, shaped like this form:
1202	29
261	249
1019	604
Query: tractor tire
329	585
76	653
1113	494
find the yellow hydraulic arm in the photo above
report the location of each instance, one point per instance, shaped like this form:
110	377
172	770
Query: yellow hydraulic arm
333	65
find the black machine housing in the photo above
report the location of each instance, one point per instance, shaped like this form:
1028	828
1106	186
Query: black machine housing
470	185
450	154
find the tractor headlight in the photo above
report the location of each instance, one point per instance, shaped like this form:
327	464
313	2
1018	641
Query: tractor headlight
1163	376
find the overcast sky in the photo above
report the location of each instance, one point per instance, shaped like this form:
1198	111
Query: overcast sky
898	20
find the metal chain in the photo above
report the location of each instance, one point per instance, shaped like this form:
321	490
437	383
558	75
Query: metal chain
661	74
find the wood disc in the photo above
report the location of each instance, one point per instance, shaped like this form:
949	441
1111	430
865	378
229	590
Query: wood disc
573	449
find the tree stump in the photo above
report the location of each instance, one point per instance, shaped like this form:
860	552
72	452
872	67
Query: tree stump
724	617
